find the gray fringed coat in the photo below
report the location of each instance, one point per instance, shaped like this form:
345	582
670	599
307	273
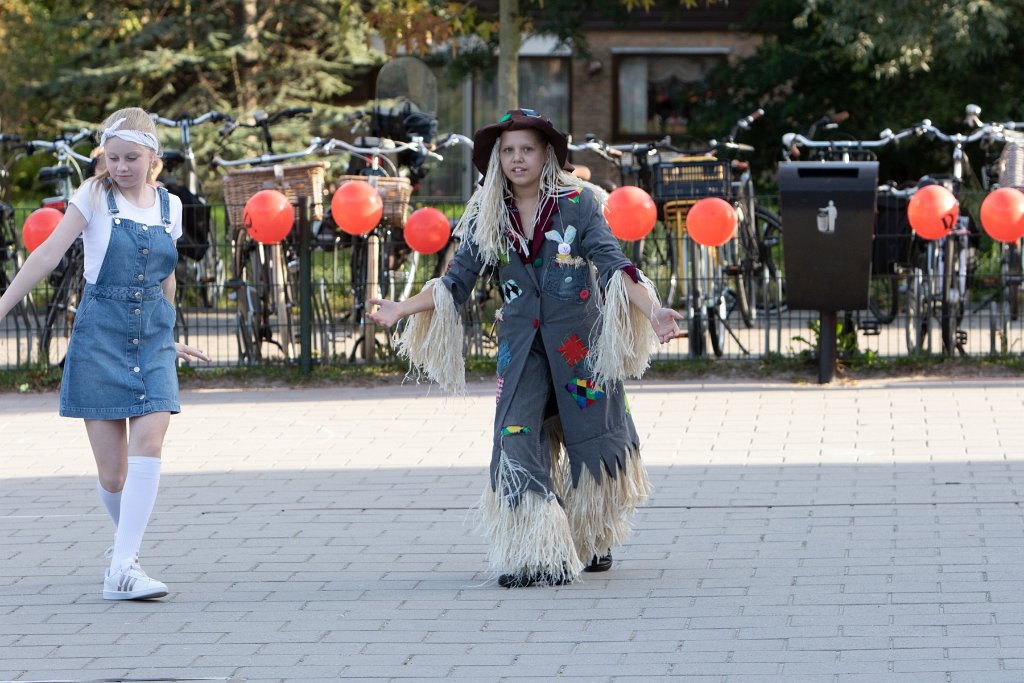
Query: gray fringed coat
556	296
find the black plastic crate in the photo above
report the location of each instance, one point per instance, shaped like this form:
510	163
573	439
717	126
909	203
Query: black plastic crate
692	179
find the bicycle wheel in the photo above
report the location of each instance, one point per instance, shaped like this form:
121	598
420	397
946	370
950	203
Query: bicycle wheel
917	324
61	309
950	304
249	287
769	250
698	324
745	264
883	297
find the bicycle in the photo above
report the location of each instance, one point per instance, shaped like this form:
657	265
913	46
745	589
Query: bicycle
66	281
263	275
944	277
1006	170
200	266
382	264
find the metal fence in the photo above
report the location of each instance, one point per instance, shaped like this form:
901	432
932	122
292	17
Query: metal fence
212	306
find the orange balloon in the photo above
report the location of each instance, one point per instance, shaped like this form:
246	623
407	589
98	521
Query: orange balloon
268	216
427	230
711	222
630	213
357	207
39	225
1002	214
932	212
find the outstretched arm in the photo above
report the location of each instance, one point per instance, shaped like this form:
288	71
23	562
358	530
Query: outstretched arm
44	259
663	320
390	312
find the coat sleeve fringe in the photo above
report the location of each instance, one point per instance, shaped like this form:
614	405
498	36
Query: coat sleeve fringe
432	341
625	337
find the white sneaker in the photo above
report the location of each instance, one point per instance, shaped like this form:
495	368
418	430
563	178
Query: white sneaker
131	583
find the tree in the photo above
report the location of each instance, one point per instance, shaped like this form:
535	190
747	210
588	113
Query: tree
888	64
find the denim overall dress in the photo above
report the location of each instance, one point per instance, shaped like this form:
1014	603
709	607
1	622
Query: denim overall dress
121	360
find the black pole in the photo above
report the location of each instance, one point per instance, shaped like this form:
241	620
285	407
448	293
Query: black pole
827	347
305	290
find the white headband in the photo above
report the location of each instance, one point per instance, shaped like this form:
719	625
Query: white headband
138	136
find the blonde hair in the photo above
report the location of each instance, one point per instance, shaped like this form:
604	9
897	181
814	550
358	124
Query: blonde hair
135	118
487	223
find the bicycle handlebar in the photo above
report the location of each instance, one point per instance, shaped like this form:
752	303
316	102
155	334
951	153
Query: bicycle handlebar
185	121
63	144
329	146
264	159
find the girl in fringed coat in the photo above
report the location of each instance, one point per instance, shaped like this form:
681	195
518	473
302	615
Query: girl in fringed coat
577	318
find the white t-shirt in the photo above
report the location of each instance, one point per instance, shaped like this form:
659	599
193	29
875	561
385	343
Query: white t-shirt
96	236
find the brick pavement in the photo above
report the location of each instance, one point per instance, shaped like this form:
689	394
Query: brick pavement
847	533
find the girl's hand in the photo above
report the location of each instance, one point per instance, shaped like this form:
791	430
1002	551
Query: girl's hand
188	352
387	313
663	320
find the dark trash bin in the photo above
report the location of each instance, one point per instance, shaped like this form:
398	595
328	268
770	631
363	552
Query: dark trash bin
828	217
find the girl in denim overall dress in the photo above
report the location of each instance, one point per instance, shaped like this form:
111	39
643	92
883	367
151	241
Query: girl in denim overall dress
120	369
577	318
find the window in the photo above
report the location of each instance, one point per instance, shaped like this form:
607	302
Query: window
543	85
658	92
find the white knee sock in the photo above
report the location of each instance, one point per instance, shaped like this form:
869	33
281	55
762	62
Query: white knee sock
111	501
137	500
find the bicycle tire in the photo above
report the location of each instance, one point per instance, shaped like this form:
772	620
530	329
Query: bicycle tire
62	307
716	330
918	320
883	298
747	262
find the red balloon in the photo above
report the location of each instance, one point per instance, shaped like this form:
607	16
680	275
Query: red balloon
630	213
427	230
1002	214
933	211
268	216
711	222
39	225
357	207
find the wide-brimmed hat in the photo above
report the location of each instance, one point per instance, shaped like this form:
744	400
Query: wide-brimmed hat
518	119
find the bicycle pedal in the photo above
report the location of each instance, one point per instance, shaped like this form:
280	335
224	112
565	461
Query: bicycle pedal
870	328
961	337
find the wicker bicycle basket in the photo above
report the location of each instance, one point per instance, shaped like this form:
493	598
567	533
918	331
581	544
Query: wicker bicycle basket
294	180
691	178
395	191
1011	164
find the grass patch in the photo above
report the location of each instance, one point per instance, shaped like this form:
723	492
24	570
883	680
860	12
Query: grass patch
802	369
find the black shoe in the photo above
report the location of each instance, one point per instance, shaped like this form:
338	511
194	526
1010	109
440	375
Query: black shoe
520	580
524	579
599	564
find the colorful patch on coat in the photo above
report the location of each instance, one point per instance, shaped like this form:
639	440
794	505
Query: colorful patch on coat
625	399
515	429
573	196
573	349
504	356
510	290
585	391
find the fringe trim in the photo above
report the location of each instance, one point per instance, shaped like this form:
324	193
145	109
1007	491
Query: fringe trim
526	531
622	346
601	513
432	341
